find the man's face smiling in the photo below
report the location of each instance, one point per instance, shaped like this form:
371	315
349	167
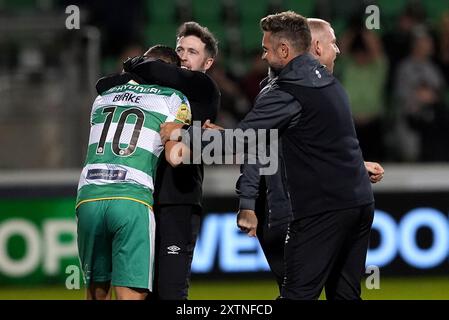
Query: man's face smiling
192	52
270	52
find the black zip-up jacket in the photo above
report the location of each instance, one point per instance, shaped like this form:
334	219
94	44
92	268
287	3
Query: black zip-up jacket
323	162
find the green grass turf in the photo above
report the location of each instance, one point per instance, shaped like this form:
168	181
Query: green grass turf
426	288
435	288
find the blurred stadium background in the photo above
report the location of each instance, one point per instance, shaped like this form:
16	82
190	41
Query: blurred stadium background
396	76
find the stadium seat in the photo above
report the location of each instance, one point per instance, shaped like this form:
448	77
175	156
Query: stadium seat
160	33
19	5
339	26
303	7
161	11
251	36
206	11
435	9
219	31
390	8
251	11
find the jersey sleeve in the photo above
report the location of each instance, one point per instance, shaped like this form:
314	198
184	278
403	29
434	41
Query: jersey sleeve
179	109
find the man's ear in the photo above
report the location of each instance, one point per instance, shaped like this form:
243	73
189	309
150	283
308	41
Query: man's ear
208	64
317	50
283	50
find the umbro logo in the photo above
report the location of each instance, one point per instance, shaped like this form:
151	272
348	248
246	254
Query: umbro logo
173	249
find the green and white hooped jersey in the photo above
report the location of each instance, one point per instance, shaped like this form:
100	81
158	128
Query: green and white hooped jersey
124	142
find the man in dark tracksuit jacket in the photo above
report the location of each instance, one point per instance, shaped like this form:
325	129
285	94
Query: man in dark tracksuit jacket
329	188
270	232
287	106
328	185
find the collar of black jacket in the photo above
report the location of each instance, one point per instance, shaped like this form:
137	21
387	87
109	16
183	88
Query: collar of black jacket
306	71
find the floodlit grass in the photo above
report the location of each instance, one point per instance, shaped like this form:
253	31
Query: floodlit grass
234	290
40	293
390	289
426	288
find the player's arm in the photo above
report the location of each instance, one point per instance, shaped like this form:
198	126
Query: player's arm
176	152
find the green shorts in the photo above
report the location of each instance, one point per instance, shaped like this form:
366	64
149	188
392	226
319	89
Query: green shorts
116	242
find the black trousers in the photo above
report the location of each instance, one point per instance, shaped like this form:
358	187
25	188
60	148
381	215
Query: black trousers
177	228
272	241
327	250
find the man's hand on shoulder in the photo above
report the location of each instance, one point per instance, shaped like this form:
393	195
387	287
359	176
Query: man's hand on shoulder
130	63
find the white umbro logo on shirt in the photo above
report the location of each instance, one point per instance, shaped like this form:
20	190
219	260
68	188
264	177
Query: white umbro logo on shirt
173	249
318	74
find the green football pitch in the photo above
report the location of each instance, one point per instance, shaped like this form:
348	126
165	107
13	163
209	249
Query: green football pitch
435	288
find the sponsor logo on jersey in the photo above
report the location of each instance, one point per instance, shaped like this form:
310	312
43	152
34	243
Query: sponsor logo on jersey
105	174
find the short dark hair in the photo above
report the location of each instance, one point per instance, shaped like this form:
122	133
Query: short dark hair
291	26
165	53
193	28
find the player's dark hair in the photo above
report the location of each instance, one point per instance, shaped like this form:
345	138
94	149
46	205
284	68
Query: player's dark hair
165	53
291	26
192	28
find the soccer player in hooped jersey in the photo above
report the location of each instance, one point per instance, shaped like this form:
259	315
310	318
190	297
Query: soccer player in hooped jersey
116	228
